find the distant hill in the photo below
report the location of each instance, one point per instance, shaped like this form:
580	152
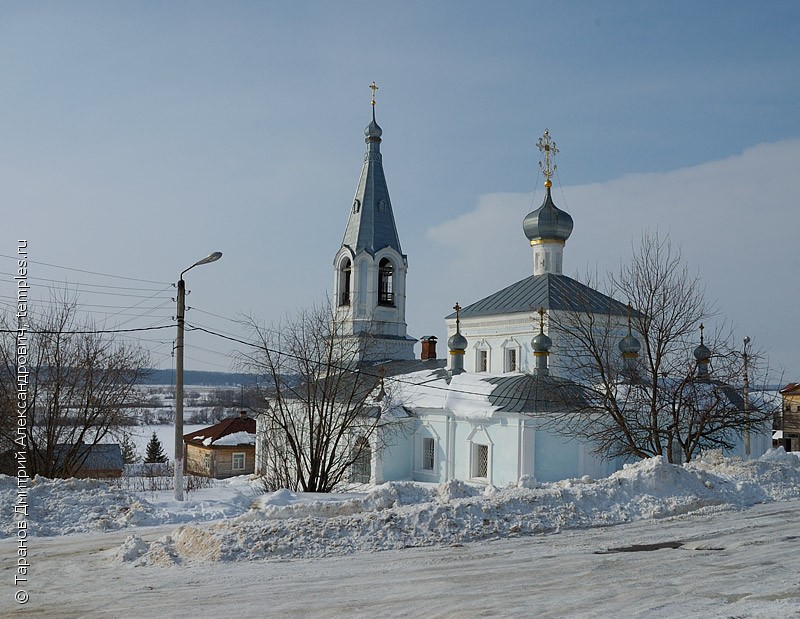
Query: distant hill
197	377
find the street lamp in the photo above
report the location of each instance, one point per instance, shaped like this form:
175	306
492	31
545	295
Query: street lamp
746	400
179	375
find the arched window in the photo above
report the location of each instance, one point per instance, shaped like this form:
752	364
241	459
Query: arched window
344	282
385	283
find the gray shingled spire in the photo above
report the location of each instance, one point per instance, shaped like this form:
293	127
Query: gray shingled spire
371	224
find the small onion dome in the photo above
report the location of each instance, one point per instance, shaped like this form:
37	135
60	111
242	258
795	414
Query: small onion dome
702	353
373	130
457	342
629	345
541	343
548	222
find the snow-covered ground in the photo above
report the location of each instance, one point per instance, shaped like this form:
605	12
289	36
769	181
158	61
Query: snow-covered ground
717	537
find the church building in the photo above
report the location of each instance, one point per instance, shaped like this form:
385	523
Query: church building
483	415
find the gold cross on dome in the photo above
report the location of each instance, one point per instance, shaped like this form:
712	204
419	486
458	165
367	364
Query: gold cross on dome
549	151
374	87
541	319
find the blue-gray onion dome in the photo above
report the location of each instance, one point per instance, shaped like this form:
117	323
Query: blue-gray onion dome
702	353
457	342
548	222
629	345
541	343
373	130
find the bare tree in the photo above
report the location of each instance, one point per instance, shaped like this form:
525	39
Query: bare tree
318	421
672	398
80	387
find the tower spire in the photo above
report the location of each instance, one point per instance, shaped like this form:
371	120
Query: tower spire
370	267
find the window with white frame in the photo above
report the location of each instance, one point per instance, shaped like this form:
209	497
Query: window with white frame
238	462
483	361
480	461
511	359
428	453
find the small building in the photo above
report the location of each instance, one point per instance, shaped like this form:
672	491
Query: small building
99	461
788	434
225	449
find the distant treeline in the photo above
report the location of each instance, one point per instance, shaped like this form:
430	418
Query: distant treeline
198	377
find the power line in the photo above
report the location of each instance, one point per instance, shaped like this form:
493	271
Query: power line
58	266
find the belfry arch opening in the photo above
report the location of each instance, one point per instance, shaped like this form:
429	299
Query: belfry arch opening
386	283
345	272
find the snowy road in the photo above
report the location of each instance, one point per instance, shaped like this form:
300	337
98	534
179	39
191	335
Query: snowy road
730	564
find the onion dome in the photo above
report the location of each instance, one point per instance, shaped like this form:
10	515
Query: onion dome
541	343
457	342
629	346
548	222
373	131
702	352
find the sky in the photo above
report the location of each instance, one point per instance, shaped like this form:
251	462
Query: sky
139	137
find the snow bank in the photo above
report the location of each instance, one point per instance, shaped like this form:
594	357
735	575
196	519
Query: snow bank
393	515
63	506
398	515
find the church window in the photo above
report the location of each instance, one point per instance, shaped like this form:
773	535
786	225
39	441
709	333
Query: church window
344	282
386	283
361	470
480	461
356	206
428	453
483	361
511	360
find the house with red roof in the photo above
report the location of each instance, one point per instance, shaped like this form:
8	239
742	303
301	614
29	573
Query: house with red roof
225	449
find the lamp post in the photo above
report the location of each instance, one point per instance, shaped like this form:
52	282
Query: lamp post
179	375
746	386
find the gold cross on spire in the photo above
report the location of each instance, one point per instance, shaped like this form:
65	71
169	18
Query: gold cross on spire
541	319
549	151
374	87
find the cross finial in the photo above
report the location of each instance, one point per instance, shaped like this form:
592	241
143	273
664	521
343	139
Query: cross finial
541	320
701	332
374	87
457	307
549	151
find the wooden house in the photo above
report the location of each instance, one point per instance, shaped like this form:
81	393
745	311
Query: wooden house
225	449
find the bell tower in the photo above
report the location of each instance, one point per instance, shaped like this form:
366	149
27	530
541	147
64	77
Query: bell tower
369	281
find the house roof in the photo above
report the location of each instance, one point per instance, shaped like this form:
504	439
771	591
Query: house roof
791	388
101	456
549	291
241	426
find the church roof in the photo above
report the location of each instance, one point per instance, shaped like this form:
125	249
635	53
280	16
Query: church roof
550	291
528	393
371	224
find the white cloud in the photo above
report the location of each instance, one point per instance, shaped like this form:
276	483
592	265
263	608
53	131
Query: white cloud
736	219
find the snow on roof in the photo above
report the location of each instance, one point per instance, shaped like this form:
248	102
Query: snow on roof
241	427
237	438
